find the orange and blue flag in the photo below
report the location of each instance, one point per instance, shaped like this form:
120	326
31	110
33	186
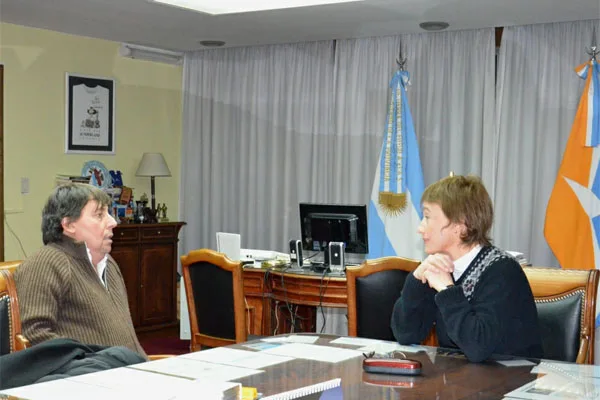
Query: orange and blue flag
572	227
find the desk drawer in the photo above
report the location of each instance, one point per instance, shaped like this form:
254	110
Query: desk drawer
125	234
158	232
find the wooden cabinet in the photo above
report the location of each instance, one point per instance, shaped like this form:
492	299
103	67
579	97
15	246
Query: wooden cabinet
147	256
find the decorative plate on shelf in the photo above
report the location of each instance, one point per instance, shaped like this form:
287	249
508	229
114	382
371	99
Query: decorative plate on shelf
100	176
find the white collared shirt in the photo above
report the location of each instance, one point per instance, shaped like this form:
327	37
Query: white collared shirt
101	267
463	262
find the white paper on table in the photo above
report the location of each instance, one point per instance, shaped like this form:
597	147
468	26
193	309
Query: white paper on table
195	369
144	384
356	341
218	355
388	347
553	387
208	390
261	345
515	363
314	352
293	339
63	389
235	357
573	370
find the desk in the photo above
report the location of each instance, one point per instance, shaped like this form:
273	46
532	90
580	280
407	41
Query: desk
264	288
445	377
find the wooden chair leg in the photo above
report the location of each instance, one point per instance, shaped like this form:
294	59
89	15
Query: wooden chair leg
250	311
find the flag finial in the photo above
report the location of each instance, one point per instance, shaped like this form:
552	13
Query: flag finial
401	61
593	50
451	174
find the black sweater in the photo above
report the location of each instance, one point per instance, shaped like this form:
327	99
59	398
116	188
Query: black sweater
490	310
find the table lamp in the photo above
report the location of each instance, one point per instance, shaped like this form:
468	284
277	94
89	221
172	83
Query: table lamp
152	165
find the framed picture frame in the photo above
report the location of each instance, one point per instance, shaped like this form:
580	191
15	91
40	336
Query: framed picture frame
90	115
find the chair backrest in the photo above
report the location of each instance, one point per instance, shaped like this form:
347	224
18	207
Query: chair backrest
10	321
215	296
566	305
10	265
373	288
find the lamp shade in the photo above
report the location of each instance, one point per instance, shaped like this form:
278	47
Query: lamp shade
153	164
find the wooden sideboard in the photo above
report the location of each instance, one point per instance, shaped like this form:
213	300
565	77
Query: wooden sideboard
265	289
147	256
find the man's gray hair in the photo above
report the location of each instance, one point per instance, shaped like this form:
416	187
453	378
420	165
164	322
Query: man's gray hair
68	200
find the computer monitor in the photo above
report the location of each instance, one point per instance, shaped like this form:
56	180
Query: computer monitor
324	223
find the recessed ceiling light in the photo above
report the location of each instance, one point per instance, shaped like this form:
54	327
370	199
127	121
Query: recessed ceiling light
434	25
243	6
212	43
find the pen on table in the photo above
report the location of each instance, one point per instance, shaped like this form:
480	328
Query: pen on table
250	393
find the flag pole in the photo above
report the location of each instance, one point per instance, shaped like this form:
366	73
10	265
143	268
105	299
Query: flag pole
401	61
593	50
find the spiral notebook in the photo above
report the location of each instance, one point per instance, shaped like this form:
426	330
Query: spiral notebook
328	390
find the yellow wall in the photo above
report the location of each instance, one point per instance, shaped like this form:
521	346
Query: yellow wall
148	119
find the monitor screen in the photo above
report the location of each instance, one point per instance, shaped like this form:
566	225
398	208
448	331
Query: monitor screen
324	223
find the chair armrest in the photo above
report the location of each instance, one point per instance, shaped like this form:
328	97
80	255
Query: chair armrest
155	357
21	342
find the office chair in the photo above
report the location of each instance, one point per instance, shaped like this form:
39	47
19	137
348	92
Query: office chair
11	338
373	288
215	296
10	266
566	305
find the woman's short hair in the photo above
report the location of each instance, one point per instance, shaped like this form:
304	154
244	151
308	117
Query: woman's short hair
464	199
67	200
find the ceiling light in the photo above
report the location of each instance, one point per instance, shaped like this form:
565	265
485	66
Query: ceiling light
212	43
434	25
243	6
150	53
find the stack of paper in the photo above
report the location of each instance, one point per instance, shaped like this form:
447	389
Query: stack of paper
520	257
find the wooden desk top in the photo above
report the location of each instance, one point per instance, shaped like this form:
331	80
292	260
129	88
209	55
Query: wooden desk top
448	376
445	375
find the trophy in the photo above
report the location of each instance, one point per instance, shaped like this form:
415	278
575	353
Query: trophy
162	209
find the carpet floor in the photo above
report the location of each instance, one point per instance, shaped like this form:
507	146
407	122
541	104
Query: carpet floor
165	345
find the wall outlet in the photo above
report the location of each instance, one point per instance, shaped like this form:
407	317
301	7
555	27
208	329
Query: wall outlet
24	185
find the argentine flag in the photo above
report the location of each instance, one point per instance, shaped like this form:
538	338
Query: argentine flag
395	206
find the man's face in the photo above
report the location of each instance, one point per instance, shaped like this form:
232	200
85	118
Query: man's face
94	227
439	235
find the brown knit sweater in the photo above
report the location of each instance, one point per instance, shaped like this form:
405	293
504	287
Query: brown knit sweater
61	296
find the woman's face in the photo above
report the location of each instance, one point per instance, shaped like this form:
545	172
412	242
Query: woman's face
438	233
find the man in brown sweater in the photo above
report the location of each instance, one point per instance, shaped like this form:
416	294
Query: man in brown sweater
72	288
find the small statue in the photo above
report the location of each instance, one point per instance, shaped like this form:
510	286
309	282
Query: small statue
162	209
144	198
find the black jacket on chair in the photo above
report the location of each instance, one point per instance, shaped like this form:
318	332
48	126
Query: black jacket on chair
60	358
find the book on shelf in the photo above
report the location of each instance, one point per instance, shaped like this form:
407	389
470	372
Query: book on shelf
72	178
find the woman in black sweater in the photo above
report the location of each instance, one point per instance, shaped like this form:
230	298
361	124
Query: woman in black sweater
477	295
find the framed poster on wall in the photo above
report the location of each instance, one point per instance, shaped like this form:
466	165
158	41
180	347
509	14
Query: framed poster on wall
90	115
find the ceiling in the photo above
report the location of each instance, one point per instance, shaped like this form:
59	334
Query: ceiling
157	25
